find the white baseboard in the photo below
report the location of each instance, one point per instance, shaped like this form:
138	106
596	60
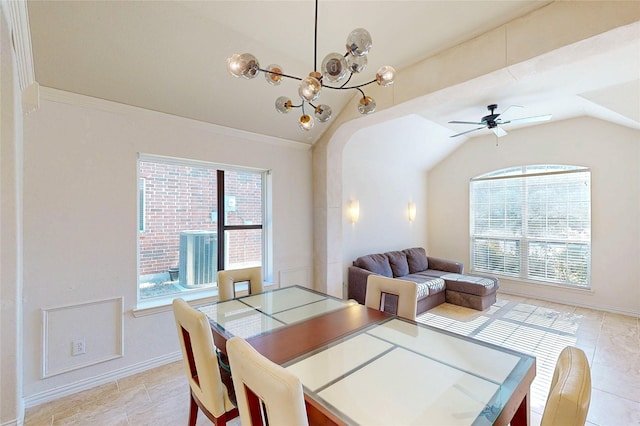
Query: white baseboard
91	382
610	309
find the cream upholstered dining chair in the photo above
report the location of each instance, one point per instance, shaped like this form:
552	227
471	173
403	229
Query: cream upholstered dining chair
267	393
570	393
198	351
378	287
227	280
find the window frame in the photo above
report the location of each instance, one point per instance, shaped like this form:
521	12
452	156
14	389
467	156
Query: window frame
522	240
153	304
142	193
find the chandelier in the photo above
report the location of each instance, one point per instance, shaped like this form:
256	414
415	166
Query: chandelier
334	68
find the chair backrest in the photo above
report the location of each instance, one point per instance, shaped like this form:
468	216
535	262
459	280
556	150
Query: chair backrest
198	351
406	291
264	388
228	278
570	393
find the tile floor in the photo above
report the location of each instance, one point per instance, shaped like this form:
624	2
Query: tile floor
612	343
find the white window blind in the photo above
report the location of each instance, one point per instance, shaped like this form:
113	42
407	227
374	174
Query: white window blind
533	222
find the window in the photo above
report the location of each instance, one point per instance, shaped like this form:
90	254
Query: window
196	218
534	223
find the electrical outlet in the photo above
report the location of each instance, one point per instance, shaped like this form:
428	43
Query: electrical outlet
78	347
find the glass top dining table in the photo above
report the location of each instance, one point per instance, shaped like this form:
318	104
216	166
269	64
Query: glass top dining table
361	366
253	315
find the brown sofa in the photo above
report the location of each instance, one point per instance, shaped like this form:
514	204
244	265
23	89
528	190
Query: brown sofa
439	280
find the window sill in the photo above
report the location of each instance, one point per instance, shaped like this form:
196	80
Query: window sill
535	283
157	306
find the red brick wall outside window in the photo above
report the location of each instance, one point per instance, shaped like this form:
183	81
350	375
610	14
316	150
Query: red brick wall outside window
180	198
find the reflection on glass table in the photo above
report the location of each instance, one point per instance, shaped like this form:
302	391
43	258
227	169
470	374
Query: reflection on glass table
400	372
253	315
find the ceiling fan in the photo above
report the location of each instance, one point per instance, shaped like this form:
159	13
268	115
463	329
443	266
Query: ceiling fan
493	121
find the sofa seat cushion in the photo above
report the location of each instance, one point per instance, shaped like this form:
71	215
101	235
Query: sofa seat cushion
377	263
435	273
436	285
426	285
471	284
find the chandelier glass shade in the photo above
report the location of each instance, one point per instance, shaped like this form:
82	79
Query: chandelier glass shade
334	69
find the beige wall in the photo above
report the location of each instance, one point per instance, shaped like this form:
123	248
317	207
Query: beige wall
73	146
80	222
612	152
517	50
10	232
384	168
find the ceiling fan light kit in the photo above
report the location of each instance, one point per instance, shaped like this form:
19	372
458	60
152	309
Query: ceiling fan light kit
493	121
334	68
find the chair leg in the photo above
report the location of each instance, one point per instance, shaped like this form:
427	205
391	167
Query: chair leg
193	411
221	421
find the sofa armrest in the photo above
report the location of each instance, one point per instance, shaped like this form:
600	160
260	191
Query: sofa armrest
445	265
357	284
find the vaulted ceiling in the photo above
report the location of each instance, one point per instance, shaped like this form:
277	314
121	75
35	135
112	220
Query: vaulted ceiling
170	56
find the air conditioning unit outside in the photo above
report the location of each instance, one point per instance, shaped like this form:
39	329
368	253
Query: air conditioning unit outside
198	258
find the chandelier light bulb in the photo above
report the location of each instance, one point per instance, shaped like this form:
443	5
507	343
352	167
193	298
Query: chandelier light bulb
386	76
334	67
356	64
245	65
273	79
306	122
283	105
367	105
323	113
233	65
309	89
359	42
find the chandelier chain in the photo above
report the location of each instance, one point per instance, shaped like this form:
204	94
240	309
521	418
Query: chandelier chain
315	41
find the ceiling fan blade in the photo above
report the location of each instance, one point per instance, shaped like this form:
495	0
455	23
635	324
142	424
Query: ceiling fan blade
499	131
509	107
529	119
468	131
465	122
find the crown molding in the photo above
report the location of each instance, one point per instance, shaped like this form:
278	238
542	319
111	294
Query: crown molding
18	19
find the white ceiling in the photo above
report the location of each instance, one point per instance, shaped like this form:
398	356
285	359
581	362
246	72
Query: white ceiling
170	56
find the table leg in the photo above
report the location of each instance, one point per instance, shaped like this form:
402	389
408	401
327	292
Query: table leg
521	416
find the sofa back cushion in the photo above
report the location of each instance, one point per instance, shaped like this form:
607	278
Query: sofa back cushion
398	262
417	259
377	263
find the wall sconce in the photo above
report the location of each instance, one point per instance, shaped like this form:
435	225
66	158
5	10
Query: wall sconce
353	210
411	210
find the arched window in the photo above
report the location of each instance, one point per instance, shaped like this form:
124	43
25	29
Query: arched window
533	222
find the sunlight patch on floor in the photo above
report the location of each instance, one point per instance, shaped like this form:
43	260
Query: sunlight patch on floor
534	330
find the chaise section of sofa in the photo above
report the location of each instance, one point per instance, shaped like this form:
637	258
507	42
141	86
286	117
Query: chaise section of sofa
411	264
